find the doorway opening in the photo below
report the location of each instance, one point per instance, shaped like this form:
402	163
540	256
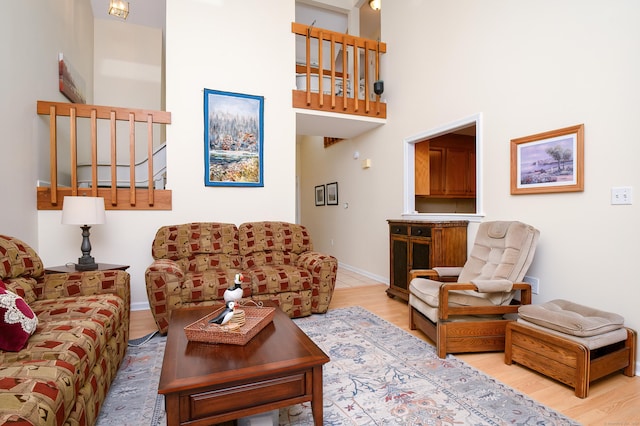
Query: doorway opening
442	170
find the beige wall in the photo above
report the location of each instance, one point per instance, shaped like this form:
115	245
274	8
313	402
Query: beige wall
527	68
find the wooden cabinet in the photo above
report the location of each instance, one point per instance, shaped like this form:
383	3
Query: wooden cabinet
445	167
423	245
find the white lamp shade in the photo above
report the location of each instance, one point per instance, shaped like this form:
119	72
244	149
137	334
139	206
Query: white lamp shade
83	211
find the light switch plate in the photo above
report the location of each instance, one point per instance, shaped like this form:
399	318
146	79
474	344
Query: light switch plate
621	195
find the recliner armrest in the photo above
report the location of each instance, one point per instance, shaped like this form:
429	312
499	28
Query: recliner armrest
323	269
163	281
448	271
445	310
432	274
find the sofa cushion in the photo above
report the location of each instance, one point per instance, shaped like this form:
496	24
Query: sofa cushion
18	259
571	318
268	258
273	236
66	354
23	287
209	285
17	320
429	292
181	241
204	262
278	279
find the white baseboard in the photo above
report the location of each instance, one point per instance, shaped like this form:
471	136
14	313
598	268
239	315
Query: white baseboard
384	280
140	306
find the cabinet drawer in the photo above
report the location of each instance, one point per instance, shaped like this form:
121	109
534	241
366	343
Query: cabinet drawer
420	231
220	401
399	229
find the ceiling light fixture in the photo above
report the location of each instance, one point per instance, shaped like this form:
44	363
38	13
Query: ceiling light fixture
119	8
374	4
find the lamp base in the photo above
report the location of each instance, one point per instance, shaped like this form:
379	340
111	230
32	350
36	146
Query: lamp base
86	263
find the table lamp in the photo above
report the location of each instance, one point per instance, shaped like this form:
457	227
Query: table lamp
84	211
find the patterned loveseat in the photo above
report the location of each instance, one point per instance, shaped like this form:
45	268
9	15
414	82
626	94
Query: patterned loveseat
62	373
196	262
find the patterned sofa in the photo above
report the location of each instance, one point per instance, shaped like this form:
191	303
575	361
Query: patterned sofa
62	374
196	262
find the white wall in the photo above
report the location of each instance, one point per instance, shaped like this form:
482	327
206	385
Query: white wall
34	32
128	72
127	62
527	68
214	45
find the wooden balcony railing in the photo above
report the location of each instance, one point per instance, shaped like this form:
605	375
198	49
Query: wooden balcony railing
117	196
344	85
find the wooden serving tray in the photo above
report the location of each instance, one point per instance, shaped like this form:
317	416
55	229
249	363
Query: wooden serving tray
256	318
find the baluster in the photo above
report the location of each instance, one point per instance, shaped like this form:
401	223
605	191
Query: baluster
73	150
132	159
94	153
53	153
114	187
150	156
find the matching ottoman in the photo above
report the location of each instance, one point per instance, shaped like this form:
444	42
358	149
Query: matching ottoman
571	343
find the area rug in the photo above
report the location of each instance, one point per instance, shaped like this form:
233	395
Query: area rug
378	375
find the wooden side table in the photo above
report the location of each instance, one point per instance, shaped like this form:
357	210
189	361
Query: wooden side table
70	268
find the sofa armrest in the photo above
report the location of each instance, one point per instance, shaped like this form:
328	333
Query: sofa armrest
323	269
163	279
87	283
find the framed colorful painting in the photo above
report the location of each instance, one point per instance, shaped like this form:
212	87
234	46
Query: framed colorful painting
233	139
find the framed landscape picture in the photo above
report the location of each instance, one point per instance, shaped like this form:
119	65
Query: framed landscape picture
548	162
233	139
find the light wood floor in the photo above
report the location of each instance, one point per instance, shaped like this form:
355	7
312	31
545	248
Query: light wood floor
614	400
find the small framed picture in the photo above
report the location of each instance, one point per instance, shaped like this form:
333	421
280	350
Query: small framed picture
332	194
319	191
548	162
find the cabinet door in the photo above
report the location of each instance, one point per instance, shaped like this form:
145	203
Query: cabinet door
420	254
456	167
422	168
399	261
471	175
436	171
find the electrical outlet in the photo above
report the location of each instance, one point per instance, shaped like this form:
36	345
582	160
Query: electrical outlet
535	283
621	195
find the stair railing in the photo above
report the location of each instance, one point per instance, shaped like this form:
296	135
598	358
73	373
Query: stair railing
123	198
350	49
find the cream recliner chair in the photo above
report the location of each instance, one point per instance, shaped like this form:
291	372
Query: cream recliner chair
468	315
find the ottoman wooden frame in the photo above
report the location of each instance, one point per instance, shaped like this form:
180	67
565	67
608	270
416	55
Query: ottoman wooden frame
566	360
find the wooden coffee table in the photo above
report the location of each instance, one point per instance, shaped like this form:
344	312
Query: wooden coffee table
204	384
